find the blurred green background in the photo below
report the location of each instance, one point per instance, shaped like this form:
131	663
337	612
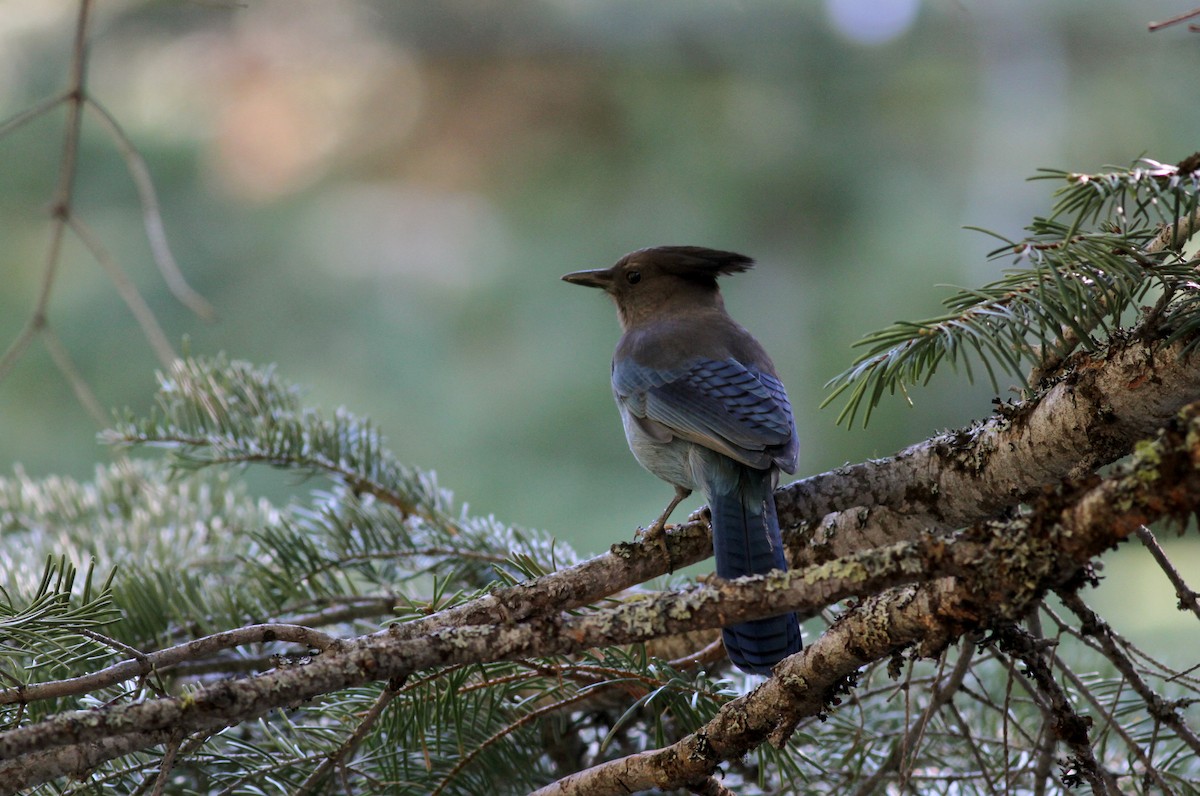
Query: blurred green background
381	196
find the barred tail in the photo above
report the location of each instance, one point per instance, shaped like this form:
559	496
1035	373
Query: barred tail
746	541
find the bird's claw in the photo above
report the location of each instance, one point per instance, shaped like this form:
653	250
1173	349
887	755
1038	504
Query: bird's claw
656	534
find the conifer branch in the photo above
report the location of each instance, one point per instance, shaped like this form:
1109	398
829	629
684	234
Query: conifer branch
1170	237
1109	400
1082	271
1007	567
145	663
1102	635
228	413
1089	517
534	602
353	741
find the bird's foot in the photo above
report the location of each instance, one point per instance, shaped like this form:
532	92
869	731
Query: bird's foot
656	534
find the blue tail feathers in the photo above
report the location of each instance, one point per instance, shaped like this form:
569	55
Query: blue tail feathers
746	541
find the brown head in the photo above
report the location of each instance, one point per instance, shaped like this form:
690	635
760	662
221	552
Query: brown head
648	282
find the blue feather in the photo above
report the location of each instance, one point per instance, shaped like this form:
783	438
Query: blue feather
746	541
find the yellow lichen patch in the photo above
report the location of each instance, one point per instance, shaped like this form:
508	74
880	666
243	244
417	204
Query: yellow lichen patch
839	568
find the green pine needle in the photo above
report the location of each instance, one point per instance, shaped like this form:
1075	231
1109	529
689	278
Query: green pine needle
1081	272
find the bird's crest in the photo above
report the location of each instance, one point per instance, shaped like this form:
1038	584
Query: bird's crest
695	263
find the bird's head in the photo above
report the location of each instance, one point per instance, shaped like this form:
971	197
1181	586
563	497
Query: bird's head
648	281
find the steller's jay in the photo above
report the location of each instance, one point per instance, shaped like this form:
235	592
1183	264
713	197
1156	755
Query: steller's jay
703	409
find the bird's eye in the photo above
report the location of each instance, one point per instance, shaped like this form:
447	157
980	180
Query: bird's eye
633	277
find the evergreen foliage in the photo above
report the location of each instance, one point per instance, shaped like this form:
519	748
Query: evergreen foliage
185	552
197	555
1112	240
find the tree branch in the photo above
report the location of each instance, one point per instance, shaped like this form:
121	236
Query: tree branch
1091	416
1066	529
1104	403
1003	569
1108	643
1187	597
146	663
63	192
156	233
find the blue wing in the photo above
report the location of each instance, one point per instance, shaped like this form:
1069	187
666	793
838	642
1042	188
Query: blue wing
724	405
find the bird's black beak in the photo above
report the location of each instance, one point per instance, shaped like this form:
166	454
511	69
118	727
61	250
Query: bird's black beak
600	277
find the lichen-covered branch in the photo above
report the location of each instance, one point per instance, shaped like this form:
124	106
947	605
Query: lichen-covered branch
145	664
1000	569
1104	402
948	585
1023	559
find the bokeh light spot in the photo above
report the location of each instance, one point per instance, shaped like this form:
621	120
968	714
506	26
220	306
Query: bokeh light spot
872	21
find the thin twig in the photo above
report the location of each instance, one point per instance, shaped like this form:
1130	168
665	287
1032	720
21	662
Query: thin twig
120	646
61	203
16	349
1045	756
251	634
66	366
1130	742
127	290
1175	20
355	739
1108	640
1007	766
1187	597
164	768
22	118
152	215
1148	664
1072	729
502	733
237	786
62	216
102	779
976	752
941	694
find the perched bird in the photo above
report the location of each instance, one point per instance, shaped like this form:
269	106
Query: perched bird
703	410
